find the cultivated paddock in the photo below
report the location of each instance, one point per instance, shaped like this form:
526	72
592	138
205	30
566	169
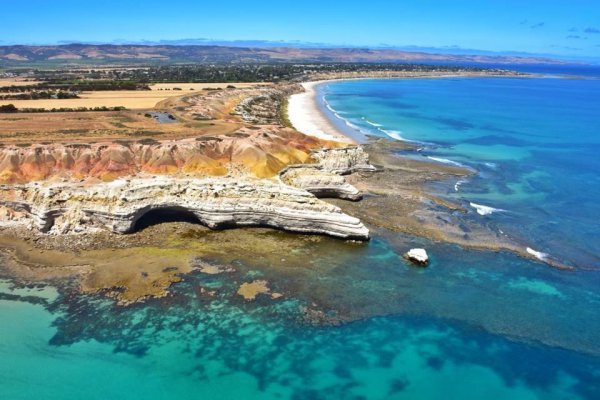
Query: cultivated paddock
130	99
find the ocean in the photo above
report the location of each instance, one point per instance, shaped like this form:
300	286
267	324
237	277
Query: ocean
534	144
472	325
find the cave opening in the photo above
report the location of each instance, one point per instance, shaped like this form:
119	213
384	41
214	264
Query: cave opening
165	215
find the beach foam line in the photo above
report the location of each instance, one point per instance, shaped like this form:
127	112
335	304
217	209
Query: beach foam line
537	254
331	109
485	210
458	184
353	126
446	161
395	134
376	125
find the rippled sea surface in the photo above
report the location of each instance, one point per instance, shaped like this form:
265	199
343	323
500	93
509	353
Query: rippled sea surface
535	144
473	325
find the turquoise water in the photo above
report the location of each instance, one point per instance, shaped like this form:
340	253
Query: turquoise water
535	145
473	325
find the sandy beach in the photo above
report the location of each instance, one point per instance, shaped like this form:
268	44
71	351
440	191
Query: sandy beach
305	116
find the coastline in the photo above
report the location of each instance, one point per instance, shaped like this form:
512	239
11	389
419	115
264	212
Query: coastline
306	116
308	113
396	196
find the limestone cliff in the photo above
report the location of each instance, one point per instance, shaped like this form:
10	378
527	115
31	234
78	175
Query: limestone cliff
321	183
289	202
343	160
215	202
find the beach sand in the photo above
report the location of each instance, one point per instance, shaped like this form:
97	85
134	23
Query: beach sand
306	117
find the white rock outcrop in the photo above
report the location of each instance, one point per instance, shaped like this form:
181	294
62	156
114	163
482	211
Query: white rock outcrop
216	202
315	180
344	161
417	256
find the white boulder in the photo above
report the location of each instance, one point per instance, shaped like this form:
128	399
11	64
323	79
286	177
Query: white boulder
418	257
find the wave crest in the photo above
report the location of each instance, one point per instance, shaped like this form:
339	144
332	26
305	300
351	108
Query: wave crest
445	161
537	254
485	210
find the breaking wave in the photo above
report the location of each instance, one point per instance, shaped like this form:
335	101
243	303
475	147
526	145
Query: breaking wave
458	184
485	210
445	161
537	254
376	125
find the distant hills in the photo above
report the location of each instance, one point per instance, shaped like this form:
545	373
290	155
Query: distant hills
16	55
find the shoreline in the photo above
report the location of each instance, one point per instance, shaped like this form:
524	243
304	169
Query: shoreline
307	117
396	201
436	232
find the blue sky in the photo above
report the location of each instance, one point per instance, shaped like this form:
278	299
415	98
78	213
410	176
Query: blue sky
568	28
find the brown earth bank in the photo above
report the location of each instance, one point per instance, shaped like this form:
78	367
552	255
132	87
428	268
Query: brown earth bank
210	133
260	152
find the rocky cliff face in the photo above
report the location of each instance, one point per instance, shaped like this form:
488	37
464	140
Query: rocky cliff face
215	202
324	178
344	160
289	202
319	182
260	152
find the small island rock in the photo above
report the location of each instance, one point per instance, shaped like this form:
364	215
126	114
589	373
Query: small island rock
418	257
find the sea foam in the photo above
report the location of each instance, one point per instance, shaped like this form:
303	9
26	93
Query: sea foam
445	161
485	210
537	254
394	135
376	125
458	184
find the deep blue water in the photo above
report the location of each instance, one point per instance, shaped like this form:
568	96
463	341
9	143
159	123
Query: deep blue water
473	325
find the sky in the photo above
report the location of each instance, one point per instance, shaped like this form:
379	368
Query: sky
566	28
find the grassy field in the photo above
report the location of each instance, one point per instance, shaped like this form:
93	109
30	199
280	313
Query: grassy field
130	99
27	128
186	87
17	82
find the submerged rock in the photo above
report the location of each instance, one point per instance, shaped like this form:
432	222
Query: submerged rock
418	257
250	290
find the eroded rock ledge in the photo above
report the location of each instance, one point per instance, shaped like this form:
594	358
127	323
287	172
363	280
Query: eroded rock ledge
325	178
344	161
289	203
215	202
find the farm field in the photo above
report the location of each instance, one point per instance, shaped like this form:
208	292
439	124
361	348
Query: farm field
28	128
17	82
130	99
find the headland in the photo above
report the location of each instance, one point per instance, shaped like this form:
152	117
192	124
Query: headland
78	201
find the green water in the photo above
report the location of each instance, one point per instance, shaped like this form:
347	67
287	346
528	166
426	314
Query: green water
489	326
